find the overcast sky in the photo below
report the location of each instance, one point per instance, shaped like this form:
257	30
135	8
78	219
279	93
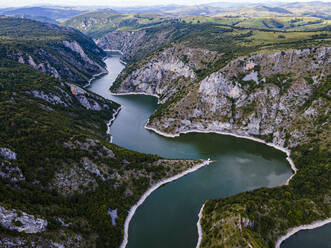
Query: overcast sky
12	3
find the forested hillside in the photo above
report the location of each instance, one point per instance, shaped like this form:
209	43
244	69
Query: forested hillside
58	167
61	52
254	83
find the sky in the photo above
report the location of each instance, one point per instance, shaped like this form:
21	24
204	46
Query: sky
118	3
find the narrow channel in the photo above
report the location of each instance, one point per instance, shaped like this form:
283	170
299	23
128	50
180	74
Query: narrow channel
168	216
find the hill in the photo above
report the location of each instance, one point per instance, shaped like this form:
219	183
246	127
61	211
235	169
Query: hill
269	85
52	15
62	184
62	52
98	23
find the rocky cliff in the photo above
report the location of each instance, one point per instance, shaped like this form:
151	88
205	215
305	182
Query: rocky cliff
137	44
280	97
166	73
265	95
61	52
62	184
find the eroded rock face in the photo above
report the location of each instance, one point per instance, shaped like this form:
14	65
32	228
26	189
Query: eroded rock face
39	241
126	42
265	95
64	56
71	179
50	97
113	215
6	153
8	171
21	221
168	72
86	99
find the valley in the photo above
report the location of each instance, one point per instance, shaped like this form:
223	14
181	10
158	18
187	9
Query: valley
170	142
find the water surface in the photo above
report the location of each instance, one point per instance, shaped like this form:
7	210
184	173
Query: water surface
168	216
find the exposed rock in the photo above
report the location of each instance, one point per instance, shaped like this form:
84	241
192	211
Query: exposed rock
89	145
135	45
74	46
85	99
91	167
225	102
113	215
126	42
68	180
13	173
21	221
50	97
168	72
6	153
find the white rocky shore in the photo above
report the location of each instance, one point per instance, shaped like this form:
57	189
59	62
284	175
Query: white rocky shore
200	227
110	122
294	230
291	231
286	151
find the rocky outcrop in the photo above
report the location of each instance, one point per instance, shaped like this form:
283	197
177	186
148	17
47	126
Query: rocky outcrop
68	240
165	74
6	153
113	215
50	97
64	60
135	45
70	95
128	42
21	221
10	172
86	99
266	95
7	169
66	54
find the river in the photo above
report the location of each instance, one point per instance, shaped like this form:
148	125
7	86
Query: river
168	216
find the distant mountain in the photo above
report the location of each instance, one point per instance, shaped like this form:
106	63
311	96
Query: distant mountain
98	23
36	18
52	15
159	9
198	10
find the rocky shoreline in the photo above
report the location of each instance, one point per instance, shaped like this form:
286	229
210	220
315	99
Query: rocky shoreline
110	122
286	151
294	230
199	226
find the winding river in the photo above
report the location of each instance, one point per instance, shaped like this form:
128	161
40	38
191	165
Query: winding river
169	215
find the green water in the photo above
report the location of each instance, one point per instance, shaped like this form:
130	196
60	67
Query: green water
168	216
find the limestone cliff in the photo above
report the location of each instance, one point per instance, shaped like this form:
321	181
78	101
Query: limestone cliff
280	97
62	52
166	73
264	95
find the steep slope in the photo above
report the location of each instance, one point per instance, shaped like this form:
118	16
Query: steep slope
166	73
61	52
62	184
135	35
98	23
274	90
135	45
